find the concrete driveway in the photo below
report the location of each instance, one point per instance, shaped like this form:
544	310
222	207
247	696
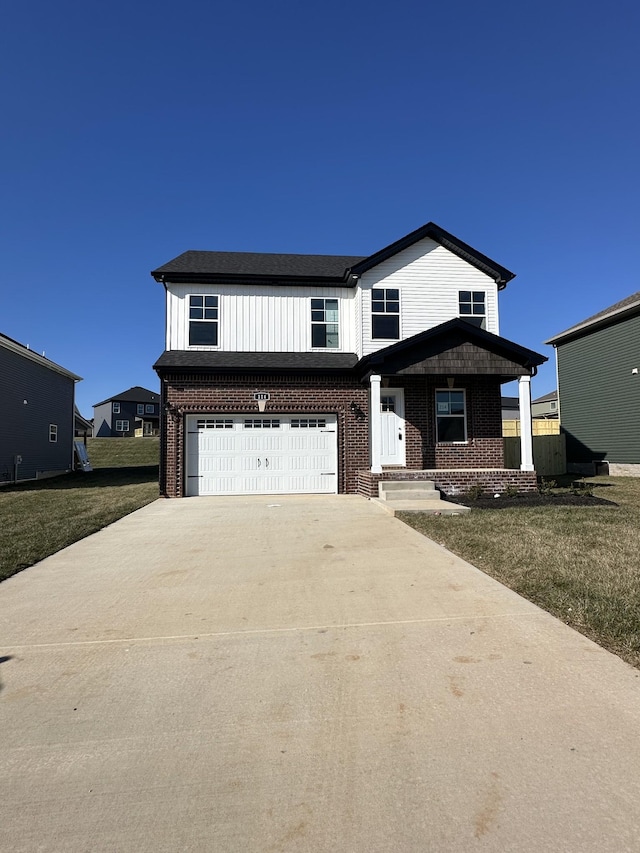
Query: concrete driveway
301	674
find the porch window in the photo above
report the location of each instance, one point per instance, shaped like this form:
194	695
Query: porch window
451	419
471	304
324	323
203	321
385	313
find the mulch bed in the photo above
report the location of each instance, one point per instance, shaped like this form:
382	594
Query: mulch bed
529	499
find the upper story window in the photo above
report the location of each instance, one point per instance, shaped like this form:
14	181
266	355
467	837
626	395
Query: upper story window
324	323
149	408
385	313
472	307
203	321
451	416
116	408
140	409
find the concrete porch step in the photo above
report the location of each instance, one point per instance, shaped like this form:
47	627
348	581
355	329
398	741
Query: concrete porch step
433	507
405	490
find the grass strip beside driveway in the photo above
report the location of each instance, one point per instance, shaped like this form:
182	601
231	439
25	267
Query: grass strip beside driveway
39	518
580	564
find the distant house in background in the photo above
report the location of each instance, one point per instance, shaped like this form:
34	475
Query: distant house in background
510	408
545	406
37	424
599	390
135	412
540	425
82	427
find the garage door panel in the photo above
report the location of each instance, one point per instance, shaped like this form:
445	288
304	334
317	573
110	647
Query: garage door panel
270	455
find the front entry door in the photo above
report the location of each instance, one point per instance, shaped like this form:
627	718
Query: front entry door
392	418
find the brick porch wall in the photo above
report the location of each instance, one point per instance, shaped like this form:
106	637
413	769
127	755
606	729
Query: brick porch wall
484	447
452	482
193	394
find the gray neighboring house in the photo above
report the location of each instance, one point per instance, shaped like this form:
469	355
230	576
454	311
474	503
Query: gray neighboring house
132	413
38	405
599	390
545	407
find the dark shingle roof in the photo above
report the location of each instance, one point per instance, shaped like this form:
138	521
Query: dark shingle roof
196	266
254	265
260	361
133	395
630	304
552	395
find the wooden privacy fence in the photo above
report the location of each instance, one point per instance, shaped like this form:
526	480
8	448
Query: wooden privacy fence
549	454
539	427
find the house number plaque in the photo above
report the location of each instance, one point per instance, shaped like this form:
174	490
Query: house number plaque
262	397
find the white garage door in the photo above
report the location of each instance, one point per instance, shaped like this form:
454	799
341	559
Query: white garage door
260	454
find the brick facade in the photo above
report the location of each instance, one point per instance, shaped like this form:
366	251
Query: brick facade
348	398
453	482
194	394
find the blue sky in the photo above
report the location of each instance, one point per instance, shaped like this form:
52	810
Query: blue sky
134	131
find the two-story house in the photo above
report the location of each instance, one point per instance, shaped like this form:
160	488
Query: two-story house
132	413
323	373
37	424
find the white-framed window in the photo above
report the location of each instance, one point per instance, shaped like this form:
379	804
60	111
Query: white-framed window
451	416
53	433
122	426
140	409
385	313
324	323
115	408
203	320
472	307
149	408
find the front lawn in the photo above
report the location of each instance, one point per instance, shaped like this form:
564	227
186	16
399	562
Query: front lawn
39	518
582	564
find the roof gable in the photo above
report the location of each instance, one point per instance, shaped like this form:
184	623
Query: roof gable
454	347
133	395
251	267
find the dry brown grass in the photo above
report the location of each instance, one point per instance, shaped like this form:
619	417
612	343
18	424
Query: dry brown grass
581	564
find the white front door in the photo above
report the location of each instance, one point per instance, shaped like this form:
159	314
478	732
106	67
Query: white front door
392	420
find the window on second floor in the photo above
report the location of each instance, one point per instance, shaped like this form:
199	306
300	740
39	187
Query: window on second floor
116	408
385	313
149	408
472	307
324	323
203	321
140	409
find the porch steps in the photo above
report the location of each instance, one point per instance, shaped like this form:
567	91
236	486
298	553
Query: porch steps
414	496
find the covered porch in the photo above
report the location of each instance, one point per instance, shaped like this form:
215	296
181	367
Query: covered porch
435	410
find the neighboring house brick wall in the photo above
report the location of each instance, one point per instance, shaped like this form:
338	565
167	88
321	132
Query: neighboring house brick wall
24	427
600	396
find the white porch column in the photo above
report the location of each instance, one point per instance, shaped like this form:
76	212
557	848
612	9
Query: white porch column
526	436
375	424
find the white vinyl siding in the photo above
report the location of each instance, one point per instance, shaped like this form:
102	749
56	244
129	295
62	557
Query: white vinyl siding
260	318
429	278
